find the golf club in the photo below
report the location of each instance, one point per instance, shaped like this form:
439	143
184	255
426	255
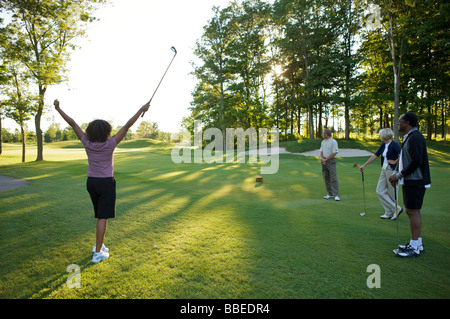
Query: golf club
396	212
174	50
364	195
396	217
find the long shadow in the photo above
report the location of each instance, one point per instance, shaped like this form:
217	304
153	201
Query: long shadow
57	282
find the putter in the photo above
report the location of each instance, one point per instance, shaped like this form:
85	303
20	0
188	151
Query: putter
174	50
364	195
396	214
396	251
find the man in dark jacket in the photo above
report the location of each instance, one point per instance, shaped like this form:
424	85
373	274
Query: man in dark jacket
414	176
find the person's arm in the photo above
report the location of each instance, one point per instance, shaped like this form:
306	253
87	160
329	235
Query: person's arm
123	131
331	156
370	160
322	159
394	162
78	131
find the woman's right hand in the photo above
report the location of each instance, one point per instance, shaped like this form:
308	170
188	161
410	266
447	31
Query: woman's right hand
145	107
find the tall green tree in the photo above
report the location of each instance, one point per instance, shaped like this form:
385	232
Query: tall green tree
211	49
393	17
43	31
346	19
147	129
249	61
19	101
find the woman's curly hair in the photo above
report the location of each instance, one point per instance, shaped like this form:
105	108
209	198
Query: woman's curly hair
98	131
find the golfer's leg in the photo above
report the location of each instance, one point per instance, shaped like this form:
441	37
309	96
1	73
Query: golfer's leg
334	184
385	193
391	191
101	230
415	223
326	179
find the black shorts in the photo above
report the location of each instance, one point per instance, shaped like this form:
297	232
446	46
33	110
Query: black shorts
103	196
413	196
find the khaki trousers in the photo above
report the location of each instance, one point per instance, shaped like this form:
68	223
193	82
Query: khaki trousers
385	192
330	177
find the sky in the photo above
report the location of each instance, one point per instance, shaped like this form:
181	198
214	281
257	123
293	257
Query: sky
122	60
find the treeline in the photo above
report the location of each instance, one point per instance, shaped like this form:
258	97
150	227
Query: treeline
55	133
303	65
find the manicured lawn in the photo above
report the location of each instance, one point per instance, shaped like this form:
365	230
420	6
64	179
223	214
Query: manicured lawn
209	231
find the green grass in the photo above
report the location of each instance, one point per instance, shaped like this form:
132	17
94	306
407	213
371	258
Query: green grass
217	233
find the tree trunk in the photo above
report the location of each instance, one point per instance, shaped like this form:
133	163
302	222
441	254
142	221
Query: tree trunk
381	117
37	122
1	135
319	124
222	101
397	71
23	143
347	74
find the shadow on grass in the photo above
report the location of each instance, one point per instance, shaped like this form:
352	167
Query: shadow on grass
286	250
57	283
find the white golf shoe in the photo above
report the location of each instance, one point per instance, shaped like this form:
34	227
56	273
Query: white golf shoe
102	255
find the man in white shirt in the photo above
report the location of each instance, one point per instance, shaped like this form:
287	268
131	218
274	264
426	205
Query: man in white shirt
328	152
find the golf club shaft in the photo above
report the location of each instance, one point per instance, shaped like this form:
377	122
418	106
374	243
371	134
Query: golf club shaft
396	214
161	81
364	192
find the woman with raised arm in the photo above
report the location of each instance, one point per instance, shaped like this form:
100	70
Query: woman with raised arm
101	185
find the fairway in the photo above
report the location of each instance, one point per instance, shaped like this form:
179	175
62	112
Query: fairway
210	231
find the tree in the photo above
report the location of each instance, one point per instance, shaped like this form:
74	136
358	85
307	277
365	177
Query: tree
347	21
43	31
147	129
393	17
316	45
416	35
18	102
212	73
249	62
17	107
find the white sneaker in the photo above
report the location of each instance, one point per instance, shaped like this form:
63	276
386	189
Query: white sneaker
102	255
327	197
395	216
386	216
104	248
337	198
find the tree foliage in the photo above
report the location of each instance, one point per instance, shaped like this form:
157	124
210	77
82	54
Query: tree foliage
300	65
41	35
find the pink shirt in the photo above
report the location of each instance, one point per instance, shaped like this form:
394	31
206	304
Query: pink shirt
100	157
